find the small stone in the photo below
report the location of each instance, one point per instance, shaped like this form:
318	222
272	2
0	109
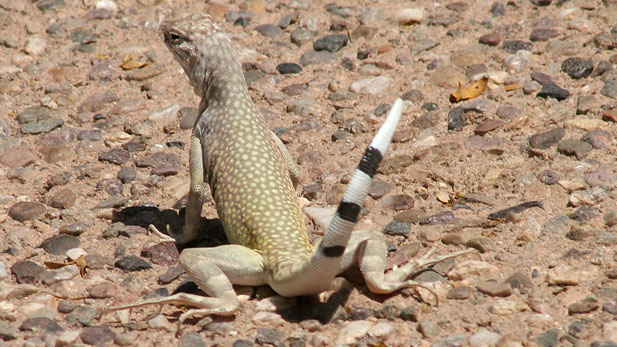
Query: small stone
192	339
564	275
331	43
546	139
131	264
269	30
301	36
35	45
508	306
27	272
63	199
166	114
115	156
371	86
598	138
457	119
610	116
397	228
548	177
314	57
269	336
495	288
491	39
488	126
610	218
41	126
520	281
577	67
513	46
188	117
25	211
484	338
543	34
97	335
584	306
353	332
40	325
428	329
288	68
379	188
161	254
60	244
408	16
610	88
574	147
103	290
460	293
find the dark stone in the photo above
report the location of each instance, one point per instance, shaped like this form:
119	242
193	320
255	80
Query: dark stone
97	335
548	338
574	147
40	325
548	177
59	244
543	34
46	5
27	272
309	58
288	68
577	67
331	43
457	119
26	210
498	9
269	336
132	263
191	340
547	139
397	228
513	46
115	156
269	30
584	213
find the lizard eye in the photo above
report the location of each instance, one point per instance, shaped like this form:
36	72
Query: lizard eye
175	38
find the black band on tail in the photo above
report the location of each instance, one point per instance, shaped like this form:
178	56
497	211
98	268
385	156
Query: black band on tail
333	251
348	211
370	161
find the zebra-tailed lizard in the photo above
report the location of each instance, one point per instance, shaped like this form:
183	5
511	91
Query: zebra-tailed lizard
250	174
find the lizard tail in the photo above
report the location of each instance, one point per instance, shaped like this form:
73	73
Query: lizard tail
335	240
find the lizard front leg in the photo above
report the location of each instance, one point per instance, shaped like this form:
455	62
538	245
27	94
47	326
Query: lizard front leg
192	215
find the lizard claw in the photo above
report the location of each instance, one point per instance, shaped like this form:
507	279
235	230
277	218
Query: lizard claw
163	238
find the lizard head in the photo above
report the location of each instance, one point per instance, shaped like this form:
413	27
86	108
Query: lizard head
199	45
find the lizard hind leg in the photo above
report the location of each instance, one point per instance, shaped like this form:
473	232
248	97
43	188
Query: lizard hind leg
213	270
370	252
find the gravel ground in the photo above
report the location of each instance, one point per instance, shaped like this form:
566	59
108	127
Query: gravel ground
95	117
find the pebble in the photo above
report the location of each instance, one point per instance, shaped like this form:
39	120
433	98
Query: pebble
397	228
115	156
491	39
408	16
488	126
331	43
546	139
543	34
353	332
610	218
457	119
468	268
314	57
300	36
288	68
508	306
589	196
25	211
495	288
97	335
485	338
41	126
269	30
40	325
166	114
460	293
577	148
371	86
60	244
564	275
428	329
192	340
584	306
577	67
131	264
512	46
610	87
27	272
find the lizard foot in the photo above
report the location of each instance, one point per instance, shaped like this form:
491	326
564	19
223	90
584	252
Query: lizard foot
163	238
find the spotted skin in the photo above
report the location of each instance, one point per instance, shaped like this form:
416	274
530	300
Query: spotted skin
251	176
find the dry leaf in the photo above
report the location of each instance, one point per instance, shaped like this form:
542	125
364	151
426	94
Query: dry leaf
80	262
513	86
130	64
473	91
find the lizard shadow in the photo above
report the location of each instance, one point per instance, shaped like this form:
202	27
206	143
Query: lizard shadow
143	216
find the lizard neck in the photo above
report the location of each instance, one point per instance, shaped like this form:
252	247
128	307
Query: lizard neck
217	74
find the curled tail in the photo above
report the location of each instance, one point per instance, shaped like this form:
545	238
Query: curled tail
337	235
